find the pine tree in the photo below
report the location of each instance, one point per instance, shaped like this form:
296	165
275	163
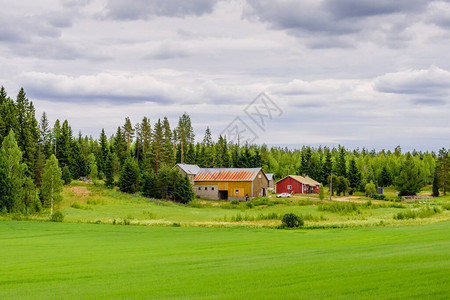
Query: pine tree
128	132
52	184
12	175
185	134
168	157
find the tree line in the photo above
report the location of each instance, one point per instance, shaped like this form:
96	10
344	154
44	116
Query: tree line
139	157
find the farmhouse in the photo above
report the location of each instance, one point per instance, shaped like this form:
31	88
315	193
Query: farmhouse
295	184
189	170
230	184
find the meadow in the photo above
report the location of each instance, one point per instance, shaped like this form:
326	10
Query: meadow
67	260
90	203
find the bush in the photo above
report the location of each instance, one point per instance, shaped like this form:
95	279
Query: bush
422	213
379	197
57	216
291	220
235	202
339	207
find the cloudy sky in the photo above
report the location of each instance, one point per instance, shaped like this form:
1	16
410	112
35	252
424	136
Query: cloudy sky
359	73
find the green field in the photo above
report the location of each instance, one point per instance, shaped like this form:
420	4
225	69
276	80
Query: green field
89	203
63	260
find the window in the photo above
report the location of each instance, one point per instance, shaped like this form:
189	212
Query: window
237	191
289	187
206	188
259	176
212	188
199	188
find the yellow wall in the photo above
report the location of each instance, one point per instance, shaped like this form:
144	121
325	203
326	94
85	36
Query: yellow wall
244	187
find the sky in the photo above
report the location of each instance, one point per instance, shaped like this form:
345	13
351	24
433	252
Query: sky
359	73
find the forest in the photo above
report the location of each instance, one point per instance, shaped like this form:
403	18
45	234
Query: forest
140	157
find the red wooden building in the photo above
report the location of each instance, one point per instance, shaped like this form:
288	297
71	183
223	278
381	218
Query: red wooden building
295	184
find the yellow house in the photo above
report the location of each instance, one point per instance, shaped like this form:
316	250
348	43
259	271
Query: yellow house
230	183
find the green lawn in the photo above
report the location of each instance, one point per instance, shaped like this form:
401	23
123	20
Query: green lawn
66	260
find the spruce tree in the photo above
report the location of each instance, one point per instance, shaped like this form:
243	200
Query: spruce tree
184	191
327	165
150	186
341	168
8	118
129	177
45	138
109	171
354	176
436	183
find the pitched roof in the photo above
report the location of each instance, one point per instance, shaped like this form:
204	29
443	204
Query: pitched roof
189	169
305	180
269	176
227	174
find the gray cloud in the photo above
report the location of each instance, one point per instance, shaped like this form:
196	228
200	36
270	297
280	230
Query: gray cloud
430	102
433	81
343	24
345	9
143	9
168	50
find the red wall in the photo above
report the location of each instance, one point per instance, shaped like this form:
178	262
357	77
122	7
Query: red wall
296	186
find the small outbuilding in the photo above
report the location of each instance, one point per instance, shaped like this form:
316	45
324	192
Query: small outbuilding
230	183
271	181
189	170
295	184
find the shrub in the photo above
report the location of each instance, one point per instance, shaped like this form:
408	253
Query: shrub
235	202
57	216
422	213
291	220
370	189
339	207
378	197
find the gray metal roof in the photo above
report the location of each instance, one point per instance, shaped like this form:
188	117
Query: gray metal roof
189	169
269	176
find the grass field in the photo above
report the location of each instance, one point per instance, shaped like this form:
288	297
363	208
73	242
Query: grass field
66	260
88	203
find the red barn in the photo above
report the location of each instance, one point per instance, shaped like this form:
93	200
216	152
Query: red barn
295	184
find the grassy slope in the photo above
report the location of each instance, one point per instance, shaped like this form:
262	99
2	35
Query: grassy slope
49	260
99	203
